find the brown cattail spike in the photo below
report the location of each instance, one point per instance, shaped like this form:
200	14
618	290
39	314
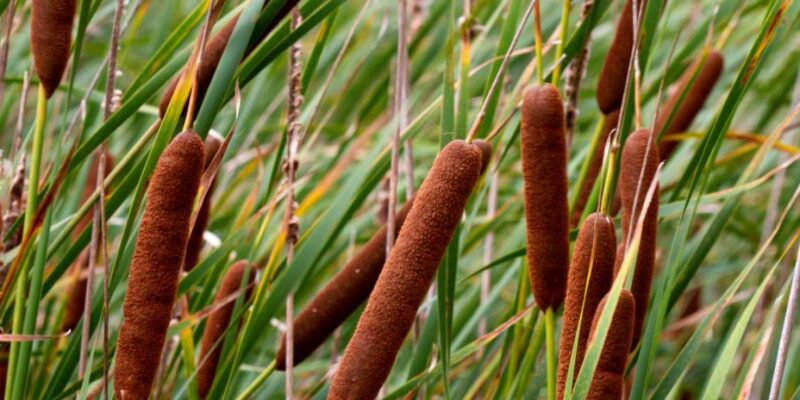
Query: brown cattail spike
212	54
156	265
218	321
486	153
340	297
611	84
637	170
595	166
51	38
544	169
693	100
195	245
608	381
594	251
404	281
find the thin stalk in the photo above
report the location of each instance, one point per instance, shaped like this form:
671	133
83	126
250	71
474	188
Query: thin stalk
562	39
786	332
260	379
549	323
538	43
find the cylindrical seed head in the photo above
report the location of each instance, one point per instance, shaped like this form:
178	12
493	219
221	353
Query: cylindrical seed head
51	38
608	381
611	84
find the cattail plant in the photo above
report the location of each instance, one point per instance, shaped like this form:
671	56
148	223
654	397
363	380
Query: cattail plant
686	101
76	294
590	276
596	164
544	169
608	381
638	165
212	54
340	297
51	39
156	265
614	75
218	321
195	245
409	269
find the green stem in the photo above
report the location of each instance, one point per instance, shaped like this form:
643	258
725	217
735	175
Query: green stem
260	379
549	323
565	7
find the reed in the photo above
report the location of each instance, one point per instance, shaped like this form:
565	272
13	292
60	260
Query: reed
590	277
156	265
638	167
608	381
51	39
687	101
611	83
195	244
544	169
218	321
340	297
409	270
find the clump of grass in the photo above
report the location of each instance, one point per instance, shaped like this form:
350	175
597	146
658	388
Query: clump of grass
51	38
590	276
544	169
689	100
609	374
156	265
614	75
340	297
195	244
638	168
409	269
218	321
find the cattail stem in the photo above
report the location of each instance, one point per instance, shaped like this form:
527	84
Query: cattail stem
537	34
562	39
549	323
260	379
786	332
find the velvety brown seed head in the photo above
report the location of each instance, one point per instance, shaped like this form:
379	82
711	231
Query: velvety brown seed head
594	169
595	248
608	381
212	54
156	265
611	84
486	153
692	102
218	321
340	297
544	169
407	275
51	38
195	245
640	152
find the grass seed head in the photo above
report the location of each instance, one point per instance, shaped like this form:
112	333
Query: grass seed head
195	244
340	297
407	275
611	83
595	249
544	169
156	265
218	321
640	152
51	39
608	381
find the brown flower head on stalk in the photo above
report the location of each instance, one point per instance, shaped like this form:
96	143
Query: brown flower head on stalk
611	83
51	38
608	381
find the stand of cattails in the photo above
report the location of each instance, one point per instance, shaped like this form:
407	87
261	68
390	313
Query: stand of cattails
590	277
156	265
409	270
218	321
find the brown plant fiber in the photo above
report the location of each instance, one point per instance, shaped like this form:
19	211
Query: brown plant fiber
595	248
76	297
340	297
195	244
212	54
638	154
611	83
594	168
156	265
608	381
51	38
218	321
544	169
407	275
692	103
